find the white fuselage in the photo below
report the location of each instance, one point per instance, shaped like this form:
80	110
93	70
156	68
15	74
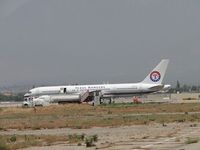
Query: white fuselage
107	90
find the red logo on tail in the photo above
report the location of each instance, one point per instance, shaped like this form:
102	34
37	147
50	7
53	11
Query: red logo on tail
155	76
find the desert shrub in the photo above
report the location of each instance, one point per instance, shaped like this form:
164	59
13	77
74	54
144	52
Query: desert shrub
76	138
191	140
89	142
95	137
13	138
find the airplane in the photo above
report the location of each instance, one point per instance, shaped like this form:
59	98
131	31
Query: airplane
151	84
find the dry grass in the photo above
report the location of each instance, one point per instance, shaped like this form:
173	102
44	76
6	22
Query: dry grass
191	140
85	116
23	141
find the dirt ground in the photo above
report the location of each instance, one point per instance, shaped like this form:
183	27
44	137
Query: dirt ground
118	126
172	136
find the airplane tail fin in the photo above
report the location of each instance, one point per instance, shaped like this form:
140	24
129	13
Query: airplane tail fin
157	74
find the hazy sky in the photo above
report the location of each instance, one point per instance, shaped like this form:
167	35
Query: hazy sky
95	41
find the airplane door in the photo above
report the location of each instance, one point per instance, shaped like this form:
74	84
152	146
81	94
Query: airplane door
63	90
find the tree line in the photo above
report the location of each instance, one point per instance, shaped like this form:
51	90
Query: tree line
15	97
184	88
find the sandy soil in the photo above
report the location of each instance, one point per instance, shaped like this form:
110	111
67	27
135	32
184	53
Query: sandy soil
142	137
